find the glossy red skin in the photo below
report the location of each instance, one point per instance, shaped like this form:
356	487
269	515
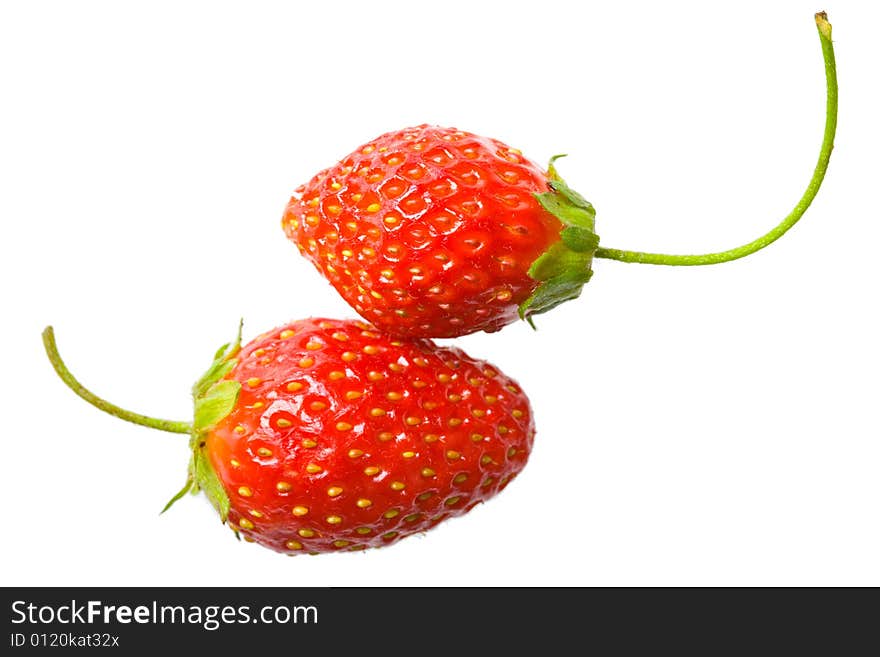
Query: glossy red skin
472	421
427	231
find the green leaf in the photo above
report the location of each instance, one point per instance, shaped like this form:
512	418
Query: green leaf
215	404
209	482
221	366
564	268
183	491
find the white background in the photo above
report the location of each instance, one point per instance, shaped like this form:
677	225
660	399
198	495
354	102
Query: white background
696	426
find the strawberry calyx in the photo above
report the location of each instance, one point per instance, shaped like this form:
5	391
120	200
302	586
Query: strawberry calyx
564	268
214	398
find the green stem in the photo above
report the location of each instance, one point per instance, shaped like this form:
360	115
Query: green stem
94	400
799	209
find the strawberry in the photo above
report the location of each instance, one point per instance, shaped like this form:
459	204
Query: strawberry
437	232
326	435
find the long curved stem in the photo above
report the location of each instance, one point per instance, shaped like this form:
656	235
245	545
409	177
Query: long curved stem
799	209
114	410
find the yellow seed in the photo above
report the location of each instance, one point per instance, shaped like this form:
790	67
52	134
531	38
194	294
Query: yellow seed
339	335
459	478
454	421
335	186
377	412
334	209
502	429
431	438
490	399
452	501
355	453
373	208
240	430
312	468
517	413
253	382
294	386
259	352
308	443
294	545
476	437
511	452
390	219
444	378
283	486
366	150
392	513
306	533
343	426
475	381
283	422
396	367
397	485
286	333
314	346
348	356
371	471
389	535
363	530
317	406
300	511
308	361
428	472
375	376
413	421
412	517
312	220
335	375
347	253
425	496
244	491
371	350
258	404
244	523
430	405
333	520
353	394
452	454
454	398
479	412
264	451
357	197
340	543
408	455
489	481
394	396
255	513
334	491
363	503
385	436
234	463
503	295
418	383
486	460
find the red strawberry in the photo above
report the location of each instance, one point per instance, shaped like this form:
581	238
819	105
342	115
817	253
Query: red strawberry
436	232
325	435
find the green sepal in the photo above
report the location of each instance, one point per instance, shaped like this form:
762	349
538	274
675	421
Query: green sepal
214	398
564	268
209	482
187	487
220	367
215	404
